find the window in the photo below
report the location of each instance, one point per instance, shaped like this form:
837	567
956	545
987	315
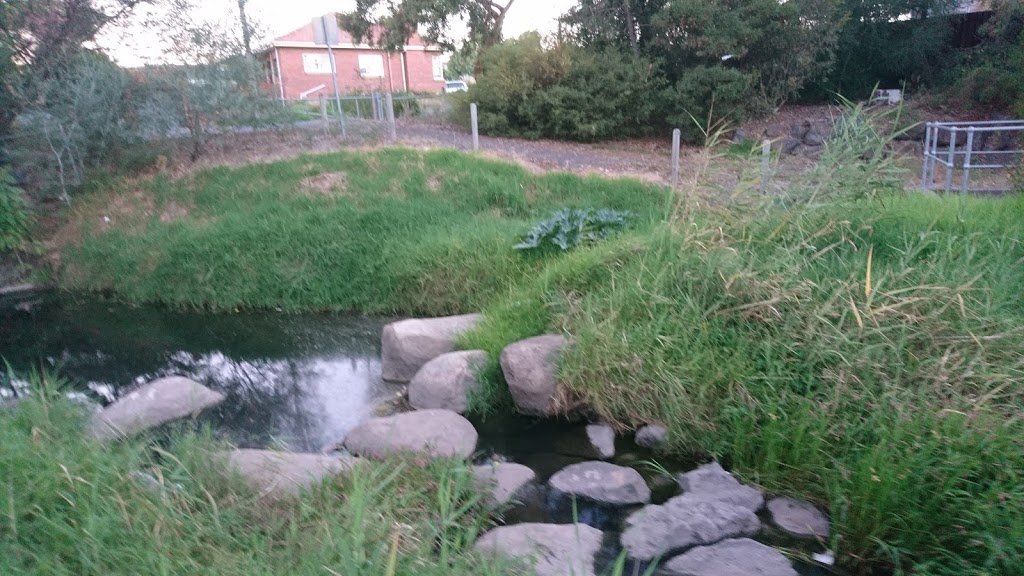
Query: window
371	65
438	66
313	63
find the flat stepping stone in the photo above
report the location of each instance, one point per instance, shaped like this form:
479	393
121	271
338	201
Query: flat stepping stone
712	482
682	523
738	557
285	473
798	518
554	549
447	381
435	433
152	405
530	367
409	344
503	480
602	482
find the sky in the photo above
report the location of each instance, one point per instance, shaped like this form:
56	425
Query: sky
133	44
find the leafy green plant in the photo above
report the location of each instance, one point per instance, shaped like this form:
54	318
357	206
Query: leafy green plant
14	215
571	227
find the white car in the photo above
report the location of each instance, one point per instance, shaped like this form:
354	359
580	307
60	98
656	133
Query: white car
455	86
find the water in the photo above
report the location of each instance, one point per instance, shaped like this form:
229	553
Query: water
298	382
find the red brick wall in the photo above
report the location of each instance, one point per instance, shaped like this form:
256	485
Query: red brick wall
296	80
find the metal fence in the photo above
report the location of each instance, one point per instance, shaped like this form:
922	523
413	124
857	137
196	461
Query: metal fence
967	147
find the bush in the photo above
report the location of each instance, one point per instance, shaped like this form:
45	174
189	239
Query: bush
706	97
14	215
563	92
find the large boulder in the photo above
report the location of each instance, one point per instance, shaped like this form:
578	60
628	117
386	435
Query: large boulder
151	405
503	480
409	344
682	523
447	381
530	367
602	482
284	473
554	549
738	557
437	433
798	518
712	482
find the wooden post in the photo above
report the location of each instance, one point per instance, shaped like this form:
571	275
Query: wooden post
391	116
675	157
766	158
473	122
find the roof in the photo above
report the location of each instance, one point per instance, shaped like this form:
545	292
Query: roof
304	37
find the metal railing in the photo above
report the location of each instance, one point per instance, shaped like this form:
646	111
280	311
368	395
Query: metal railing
970	146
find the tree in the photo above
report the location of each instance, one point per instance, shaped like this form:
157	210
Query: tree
389	24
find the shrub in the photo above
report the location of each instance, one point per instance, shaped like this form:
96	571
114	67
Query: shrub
14	215
563	92
705	97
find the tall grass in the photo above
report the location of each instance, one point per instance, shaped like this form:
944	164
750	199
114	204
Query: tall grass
71	506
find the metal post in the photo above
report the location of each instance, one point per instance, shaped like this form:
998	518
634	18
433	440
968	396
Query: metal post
675	157
334	72
950	159
357	107
967	160
391	116
925	182
766	156
473	124
323	114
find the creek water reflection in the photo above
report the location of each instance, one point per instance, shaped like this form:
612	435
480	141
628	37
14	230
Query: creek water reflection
297	381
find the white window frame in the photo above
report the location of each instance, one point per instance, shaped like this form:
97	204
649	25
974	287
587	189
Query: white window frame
316	63
437	67
371	65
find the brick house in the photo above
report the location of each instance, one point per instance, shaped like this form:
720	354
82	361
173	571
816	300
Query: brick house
298	68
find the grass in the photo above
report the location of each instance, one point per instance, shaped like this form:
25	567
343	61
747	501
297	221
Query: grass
71	506
847	345
386	231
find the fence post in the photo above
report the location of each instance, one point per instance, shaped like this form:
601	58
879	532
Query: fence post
323	114
391	116
766	157
357	107
341	117
675	157
473	123
951	159
924	169
967	160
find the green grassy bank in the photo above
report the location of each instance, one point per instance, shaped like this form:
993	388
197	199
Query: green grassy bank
861	354
72	507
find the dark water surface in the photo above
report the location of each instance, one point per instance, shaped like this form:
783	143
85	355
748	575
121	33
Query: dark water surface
294	381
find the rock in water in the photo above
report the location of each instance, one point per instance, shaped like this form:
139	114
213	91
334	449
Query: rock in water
283	473
151	405
530	367
682	523
798	518
651	435
712	482
437	433
447	381
409	344
503	480
602	482
555	549
602	439
739	557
